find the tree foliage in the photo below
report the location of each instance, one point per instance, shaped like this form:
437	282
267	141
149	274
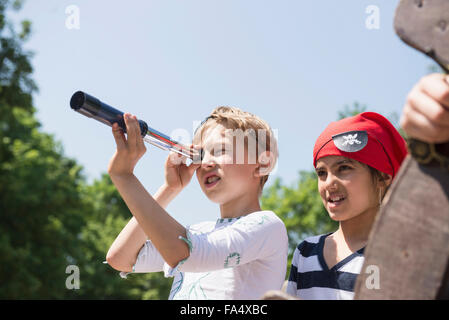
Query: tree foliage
50	217
300	207
107	216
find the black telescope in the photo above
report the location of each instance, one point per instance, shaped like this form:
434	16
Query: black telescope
93	108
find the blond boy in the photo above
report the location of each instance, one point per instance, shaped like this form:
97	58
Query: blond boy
241	255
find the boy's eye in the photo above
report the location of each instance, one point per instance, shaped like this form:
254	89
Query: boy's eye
344	167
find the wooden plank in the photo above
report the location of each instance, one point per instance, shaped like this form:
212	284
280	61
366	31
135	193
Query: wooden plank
424	25
409	242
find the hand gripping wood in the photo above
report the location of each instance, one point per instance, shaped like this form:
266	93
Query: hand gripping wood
409	242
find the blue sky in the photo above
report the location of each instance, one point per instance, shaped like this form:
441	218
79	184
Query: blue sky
293	63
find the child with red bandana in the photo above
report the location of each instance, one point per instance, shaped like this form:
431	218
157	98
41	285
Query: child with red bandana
346	154
356	160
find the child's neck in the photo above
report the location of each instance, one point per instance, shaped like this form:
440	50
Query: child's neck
355	231
240	207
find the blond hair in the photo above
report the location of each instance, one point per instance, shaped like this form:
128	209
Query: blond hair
235	118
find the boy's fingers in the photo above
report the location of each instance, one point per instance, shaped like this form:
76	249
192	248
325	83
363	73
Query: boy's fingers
183	159
119	136
129	129
140	143
133	129
175	158
192	168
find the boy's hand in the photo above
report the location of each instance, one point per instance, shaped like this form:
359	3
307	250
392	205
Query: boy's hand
426	113
129	150
177	173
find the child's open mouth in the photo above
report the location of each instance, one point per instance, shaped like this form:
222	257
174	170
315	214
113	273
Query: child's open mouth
211	181
335	201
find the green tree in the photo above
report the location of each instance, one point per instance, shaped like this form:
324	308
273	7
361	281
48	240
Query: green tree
300	207
39	203
349	111
107	216
49	217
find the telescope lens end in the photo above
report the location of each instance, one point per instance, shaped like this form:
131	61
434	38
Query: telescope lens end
77	100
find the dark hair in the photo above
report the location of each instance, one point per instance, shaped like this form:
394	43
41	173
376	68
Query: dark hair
377	176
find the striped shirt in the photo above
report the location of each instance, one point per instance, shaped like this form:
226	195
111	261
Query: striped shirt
310	278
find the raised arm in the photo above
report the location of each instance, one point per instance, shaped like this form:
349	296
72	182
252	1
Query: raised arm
151	219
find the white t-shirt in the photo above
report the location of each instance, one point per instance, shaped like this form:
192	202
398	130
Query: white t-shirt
238	258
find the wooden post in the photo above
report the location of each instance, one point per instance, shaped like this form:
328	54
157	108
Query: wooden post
409	242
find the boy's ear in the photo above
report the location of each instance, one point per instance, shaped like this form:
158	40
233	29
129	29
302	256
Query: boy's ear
265	164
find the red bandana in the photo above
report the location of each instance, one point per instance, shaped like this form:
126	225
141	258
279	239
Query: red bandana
367	137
